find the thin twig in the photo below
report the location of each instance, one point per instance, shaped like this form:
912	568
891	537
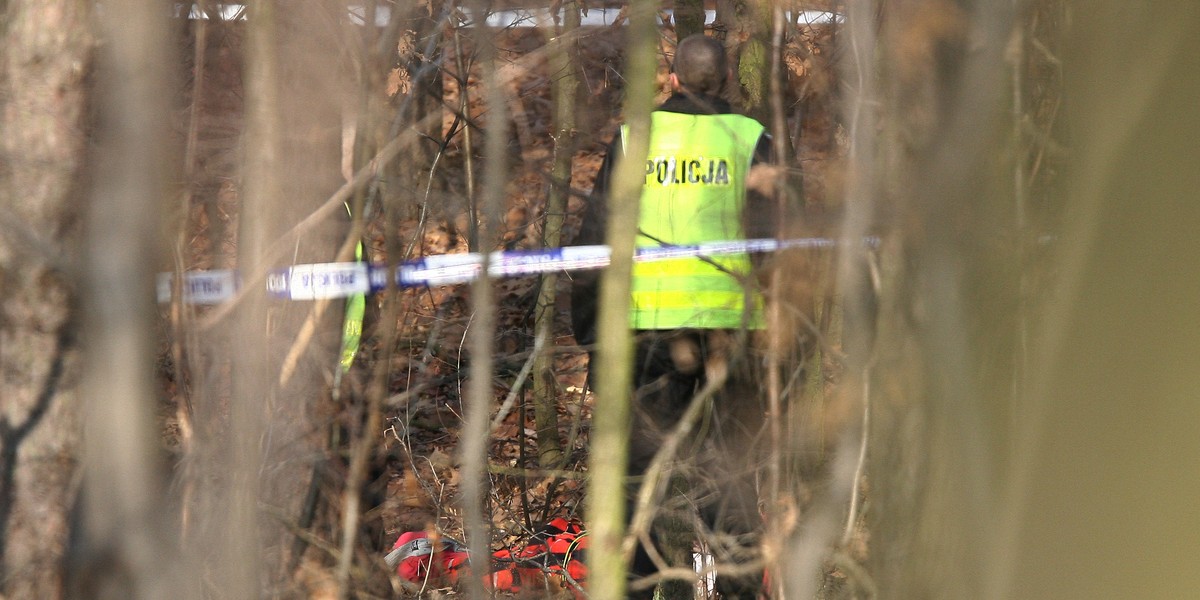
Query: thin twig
517	385
365	174
643	514
528	472
856	574
309	327
868	368
752	567
772	544
182	315
461	79
861	461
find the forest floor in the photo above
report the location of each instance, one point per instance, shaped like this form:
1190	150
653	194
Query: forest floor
415	470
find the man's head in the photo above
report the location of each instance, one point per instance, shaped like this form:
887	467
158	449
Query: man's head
700	65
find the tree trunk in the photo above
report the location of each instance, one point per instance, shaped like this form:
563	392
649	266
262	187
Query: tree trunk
610	424
1102	456
42	115
416	31
475	435
239	560
43	107
689	18
126	548
565	82
747	26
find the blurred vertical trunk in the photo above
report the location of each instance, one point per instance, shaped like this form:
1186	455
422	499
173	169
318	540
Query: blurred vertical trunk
1049	487
994	473
833	429
238	563
610	424
256	453
1105	450
376	126
475	435
1067	485
43	106
126	548
947	309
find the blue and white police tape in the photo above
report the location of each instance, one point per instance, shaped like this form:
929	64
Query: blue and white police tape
340	280
200	287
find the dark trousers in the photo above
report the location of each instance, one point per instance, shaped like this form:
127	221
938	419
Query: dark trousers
718	460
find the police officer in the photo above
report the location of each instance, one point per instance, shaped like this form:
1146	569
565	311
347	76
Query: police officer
691	315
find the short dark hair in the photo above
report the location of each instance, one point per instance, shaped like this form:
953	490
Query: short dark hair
700	64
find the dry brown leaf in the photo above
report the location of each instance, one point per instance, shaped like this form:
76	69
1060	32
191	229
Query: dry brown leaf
440	460
412	495
399	82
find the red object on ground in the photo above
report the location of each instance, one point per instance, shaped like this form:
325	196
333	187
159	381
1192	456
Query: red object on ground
554	556
419	559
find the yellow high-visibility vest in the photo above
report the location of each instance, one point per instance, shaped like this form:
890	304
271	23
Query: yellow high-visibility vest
695	192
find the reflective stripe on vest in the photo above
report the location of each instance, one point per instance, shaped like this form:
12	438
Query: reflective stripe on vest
695	192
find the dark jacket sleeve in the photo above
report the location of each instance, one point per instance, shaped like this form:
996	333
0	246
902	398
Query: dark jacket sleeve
585	285
758	219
